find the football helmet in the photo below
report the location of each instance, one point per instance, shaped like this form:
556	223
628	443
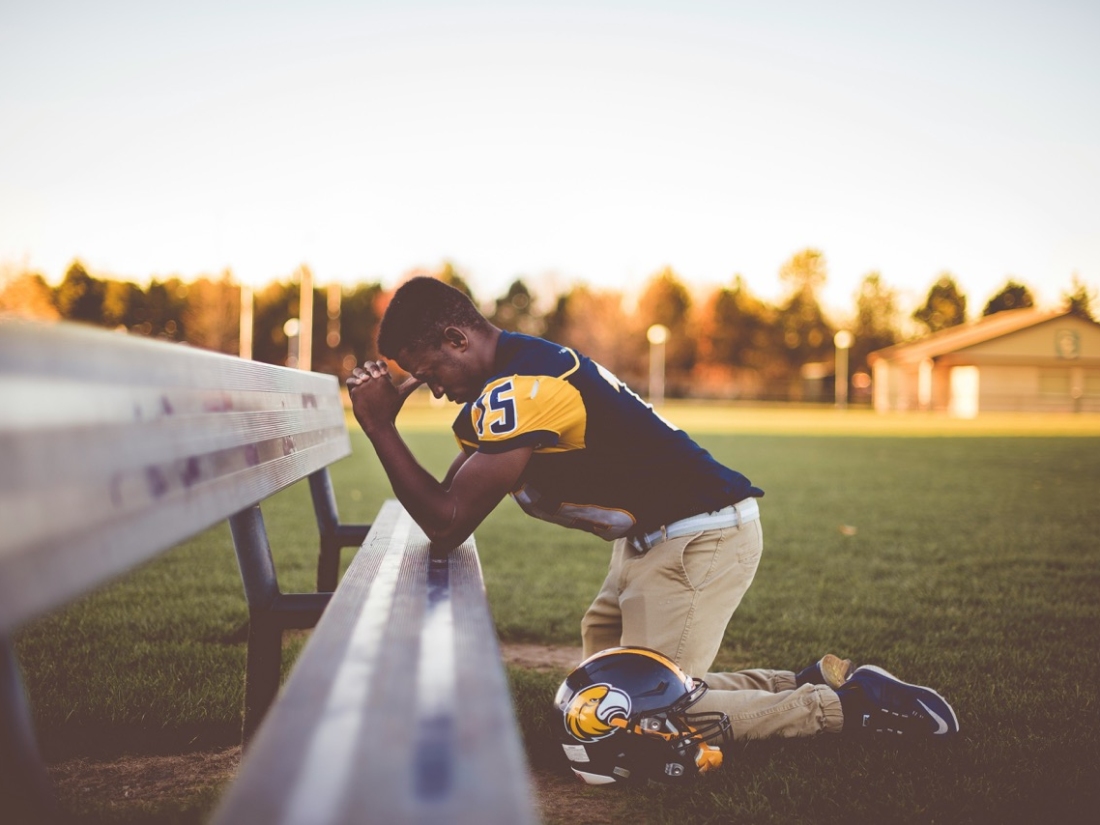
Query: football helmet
624	719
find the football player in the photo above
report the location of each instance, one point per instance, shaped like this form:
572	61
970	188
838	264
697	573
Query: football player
572	444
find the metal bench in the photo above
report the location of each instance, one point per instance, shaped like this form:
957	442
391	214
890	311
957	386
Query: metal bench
114	449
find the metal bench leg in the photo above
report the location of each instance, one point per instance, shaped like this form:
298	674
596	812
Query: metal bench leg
261	681
334	535
269	614
265	639
25	787
328	564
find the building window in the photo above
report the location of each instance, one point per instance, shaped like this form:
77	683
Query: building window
1054	382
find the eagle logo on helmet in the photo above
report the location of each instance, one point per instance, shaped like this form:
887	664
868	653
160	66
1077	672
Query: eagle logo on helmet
593	712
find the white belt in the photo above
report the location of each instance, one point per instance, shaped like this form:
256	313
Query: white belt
733	516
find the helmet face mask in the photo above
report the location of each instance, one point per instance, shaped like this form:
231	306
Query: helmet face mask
625	719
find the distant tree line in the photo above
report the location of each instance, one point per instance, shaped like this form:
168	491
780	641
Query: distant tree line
729	344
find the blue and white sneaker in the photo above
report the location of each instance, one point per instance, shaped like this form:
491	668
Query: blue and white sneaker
877	702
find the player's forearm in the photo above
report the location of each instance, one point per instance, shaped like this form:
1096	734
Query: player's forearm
425	499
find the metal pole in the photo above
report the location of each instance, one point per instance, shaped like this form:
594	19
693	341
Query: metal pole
657	336
305	321
265	637
26	793
246	321
335	295
292	329
842	340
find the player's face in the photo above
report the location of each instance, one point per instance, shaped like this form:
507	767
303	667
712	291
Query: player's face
446	370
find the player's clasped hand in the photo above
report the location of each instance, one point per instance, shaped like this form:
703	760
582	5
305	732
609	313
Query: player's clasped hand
374	398
370	369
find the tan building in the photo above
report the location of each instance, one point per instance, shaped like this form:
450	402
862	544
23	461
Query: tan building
1024	359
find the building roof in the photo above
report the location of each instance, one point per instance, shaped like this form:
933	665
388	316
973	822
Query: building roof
954	339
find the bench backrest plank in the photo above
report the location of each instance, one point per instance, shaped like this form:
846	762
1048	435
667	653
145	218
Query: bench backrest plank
114	448
398	709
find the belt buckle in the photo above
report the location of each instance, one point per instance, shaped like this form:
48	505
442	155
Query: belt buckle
644	543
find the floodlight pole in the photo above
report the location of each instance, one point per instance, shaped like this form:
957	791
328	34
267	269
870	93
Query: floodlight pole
246	320
657	336
292	329
334	297
843	341
305	320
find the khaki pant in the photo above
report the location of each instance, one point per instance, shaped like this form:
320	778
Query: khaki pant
678	598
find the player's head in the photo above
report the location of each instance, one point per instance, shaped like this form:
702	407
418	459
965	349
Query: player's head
435	333
420	312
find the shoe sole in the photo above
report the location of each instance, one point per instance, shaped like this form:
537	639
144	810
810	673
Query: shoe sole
834	670
930	697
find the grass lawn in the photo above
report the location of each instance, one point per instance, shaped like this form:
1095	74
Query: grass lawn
959	554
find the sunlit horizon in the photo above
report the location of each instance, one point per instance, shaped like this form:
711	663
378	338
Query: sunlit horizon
559	143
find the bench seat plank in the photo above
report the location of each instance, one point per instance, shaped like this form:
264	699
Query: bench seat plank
115	448
398	709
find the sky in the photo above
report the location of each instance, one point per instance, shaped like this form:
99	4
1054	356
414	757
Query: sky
560	142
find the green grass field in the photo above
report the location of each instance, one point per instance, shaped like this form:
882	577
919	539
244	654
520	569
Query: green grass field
973	566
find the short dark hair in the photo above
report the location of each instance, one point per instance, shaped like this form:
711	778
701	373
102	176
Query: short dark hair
420	310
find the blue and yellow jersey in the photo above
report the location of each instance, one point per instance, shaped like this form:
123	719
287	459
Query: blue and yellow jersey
603	460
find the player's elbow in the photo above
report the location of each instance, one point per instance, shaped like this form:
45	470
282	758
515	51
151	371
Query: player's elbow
442	544
442	549
448	539
447	533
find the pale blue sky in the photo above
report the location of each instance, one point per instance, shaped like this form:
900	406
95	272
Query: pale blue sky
588	141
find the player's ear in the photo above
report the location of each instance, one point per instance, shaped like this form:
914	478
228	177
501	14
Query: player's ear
456	337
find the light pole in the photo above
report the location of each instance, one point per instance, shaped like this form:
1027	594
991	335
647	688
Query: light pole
246	320
293	330
335	295
305	320
842	340
657	335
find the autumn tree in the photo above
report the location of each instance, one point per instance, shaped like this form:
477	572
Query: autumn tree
665	300
212	318
450	275
805	270
514	311
944	307
1078	300
275	304
875	325
806	334
735	334
160	310
360	313
79	296
592	321
27	295
155	311
735	328
1013	295
122	302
